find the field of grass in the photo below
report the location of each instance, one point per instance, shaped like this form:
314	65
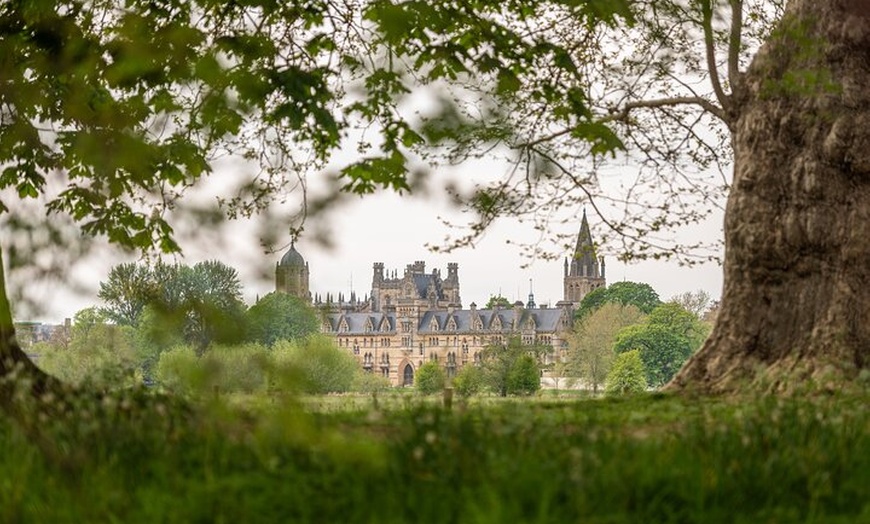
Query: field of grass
337	459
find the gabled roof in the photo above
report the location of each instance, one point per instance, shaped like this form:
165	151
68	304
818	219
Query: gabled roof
357	322
545	320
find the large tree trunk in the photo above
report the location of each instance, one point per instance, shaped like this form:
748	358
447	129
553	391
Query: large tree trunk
18	374
796	301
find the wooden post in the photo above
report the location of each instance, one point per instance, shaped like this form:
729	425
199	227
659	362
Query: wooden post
448	398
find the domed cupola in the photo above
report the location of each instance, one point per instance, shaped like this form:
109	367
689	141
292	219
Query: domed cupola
291	275
292	258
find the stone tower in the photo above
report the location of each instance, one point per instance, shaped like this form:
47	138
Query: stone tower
583	271
291	275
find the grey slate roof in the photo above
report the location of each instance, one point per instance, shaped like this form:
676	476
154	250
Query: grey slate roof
545	320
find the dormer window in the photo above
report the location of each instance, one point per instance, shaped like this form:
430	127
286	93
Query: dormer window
433	324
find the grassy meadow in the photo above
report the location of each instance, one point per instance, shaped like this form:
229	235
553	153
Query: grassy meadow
139	457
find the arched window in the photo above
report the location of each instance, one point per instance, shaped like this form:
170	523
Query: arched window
408	376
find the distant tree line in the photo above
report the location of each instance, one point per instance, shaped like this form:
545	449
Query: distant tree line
627	323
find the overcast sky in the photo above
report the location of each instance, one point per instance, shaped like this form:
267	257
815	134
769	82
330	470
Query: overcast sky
394	230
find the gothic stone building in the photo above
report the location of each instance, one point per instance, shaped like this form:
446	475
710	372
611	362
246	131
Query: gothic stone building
417	316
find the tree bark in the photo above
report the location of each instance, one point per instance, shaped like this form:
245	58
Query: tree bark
796	300
17	372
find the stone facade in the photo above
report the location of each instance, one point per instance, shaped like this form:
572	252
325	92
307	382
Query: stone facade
291	275
415	316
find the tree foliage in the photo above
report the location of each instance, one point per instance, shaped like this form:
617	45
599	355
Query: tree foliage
524	377
590	345
430	378
497	301
469	381
665	341
314	365
126	292
279	316
638	294
96	353
627	375
506	368
695	302
172	303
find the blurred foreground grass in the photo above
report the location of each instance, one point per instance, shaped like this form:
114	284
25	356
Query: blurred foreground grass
140	458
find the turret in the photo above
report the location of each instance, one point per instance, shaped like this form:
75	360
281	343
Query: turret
378	272
585	271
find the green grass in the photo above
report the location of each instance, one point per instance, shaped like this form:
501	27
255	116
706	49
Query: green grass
335	459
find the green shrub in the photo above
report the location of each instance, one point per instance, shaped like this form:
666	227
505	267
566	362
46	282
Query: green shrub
315	365
179	370
524	377
627	374
99	354
468	381
430	378
241	368
230	369
364	382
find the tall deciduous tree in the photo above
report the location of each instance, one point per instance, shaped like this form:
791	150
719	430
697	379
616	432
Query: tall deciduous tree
666	339
590	345
175	302
695	302
279	316
507	369
637	294
126	292
795	302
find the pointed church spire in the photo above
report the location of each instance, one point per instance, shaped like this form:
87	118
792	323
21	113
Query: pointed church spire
585	271
584	263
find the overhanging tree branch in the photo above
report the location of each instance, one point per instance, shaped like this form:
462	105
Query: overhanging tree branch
710	51
622	114
734	42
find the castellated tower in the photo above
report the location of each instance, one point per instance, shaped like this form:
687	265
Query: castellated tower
414	289
291	275
584	271
450	285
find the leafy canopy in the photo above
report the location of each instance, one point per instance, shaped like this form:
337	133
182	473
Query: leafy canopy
627	374
637	294
507	369
665	341
279	316
110	112
497	301
590	345
430	378
175	302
